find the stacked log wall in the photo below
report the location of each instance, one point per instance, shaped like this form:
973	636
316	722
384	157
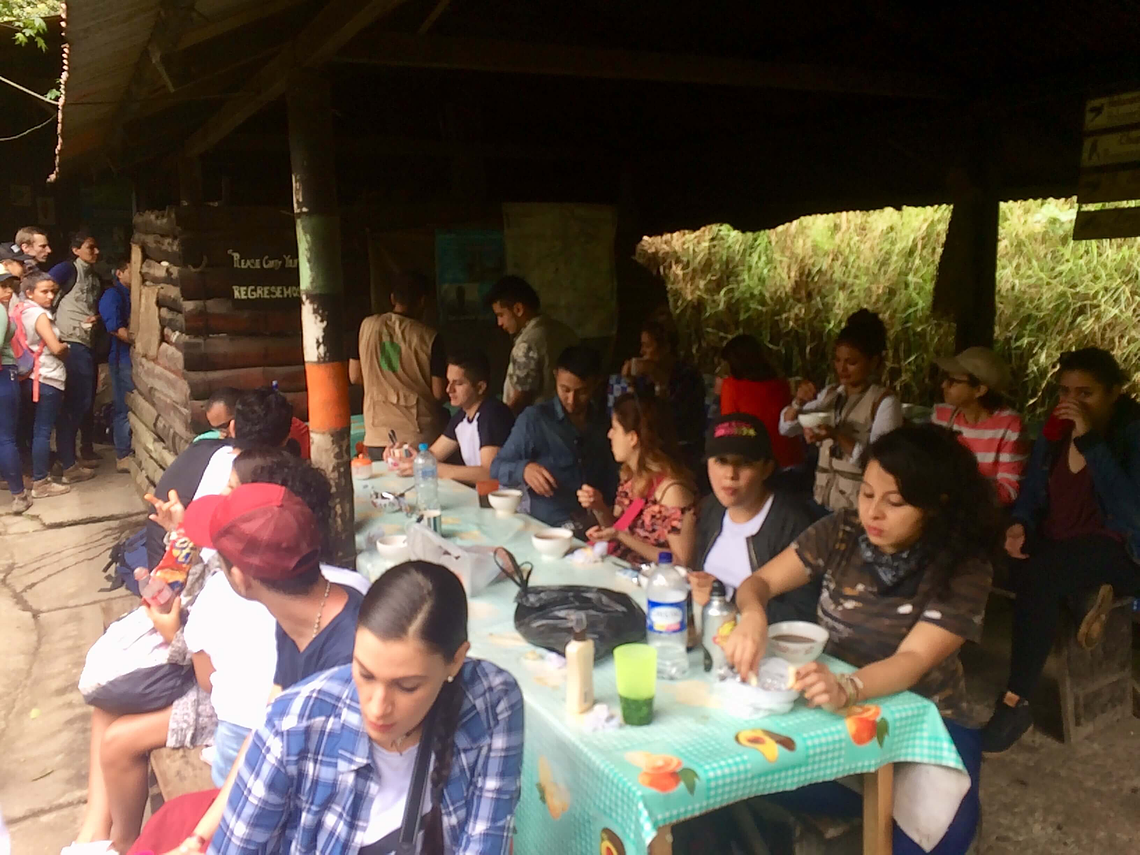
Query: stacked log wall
215	303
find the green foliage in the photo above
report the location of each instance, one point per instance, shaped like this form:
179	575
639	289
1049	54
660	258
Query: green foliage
793	287
26	18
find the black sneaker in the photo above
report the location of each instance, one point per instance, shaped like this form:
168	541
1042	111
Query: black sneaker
1007	725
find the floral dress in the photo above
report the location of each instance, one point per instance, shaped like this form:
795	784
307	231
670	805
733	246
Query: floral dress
653	525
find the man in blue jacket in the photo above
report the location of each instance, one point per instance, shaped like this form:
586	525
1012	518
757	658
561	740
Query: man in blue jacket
115	310
1075	536
559	445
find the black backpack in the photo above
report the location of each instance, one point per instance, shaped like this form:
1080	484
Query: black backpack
126	555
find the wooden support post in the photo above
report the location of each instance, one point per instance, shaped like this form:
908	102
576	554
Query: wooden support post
322	296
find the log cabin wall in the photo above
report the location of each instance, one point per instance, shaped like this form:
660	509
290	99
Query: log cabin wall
215	304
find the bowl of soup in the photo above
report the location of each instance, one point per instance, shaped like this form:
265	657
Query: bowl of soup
814	421
393	547
505	502
796	641
552	542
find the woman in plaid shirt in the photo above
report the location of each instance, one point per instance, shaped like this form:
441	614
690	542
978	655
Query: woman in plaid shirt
329	771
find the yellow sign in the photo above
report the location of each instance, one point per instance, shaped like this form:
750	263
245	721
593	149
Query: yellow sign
1112	112
1110	223
1109	186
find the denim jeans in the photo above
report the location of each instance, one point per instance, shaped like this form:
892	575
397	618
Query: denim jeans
47	413
121	384
10	468
228	739
77	399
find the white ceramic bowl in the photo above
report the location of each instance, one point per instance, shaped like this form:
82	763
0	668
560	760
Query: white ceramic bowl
793	650
393	547
552	542
745	700
811	421
505	502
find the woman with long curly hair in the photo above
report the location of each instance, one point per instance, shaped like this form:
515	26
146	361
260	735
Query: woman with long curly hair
905	579
655	505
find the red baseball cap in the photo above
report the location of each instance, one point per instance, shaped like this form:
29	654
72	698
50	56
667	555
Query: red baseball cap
262	528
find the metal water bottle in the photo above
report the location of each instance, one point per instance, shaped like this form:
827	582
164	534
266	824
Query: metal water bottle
718	612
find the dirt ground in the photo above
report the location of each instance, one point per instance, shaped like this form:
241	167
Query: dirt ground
1041	797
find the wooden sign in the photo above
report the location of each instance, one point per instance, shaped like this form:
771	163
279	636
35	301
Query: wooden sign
1108	223
1110	168
1112	112
1111	148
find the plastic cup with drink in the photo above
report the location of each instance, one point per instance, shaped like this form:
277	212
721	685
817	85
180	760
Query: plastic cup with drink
635	667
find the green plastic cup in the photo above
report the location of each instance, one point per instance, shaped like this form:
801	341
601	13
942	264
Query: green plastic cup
635	666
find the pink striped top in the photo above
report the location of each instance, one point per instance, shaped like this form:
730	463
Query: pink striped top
996	442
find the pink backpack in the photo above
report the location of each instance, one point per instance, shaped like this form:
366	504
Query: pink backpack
27	359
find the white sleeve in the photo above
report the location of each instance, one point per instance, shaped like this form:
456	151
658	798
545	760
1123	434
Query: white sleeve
793	427
217	473
196	632
887	418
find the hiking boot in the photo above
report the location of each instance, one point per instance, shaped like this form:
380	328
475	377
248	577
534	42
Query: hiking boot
1097	605
46	488
123	465
76	474
20	503
1007	725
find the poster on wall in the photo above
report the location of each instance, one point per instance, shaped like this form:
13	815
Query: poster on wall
567	253
467	264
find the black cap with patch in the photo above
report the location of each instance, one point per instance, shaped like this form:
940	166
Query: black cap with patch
739	434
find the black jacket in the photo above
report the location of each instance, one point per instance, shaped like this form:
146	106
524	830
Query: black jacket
786	520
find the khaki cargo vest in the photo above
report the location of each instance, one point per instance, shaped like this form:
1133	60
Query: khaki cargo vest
395	361
837	479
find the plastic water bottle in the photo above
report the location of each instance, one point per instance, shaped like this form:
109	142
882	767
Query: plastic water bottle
154	591
666	619
426	472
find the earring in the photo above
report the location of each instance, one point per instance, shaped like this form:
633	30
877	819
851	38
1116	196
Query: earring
451	678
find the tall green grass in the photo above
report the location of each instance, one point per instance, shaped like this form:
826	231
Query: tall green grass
793	287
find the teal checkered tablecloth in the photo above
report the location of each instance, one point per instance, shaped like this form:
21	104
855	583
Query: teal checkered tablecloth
579	787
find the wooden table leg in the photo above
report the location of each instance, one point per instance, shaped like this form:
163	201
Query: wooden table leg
878	802
662	844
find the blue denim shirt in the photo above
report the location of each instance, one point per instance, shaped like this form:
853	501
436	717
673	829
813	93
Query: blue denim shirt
115	309
1115	470
545	435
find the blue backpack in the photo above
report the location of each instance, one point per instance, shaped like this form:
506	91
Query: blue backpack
126	555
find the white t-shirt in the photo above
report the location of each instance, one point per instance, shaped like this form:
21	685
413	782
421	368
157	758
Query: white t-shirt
239	635
386	814
728	559
52	370
215	478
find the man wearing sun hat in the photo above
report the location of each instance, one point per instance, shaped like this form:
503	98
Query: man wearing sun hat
973	388
747	521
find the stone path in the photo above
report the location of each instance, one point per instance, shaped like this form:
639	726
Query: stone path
50	563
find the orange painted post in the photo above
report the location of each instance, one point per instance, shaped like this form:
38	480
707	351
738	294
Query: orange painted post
322	296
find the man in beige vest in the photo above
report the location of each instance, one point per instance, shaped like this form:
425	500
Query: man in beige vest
403	367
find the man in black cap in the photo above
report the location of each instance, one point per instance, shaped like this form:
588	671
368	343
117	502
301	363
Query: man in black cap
14	260
745	522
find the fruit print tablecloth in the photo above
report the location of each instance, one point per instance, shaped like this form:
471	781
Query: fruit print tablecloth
610	791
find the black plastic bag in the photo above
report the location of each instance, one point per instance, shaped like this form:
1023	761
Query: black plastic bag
544	614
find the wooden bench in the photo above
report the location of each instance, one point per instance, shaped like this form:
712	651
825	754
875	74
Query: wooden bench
1095	686
175	772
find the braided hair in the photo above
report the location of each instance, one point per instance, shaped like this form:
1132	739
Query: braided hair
425	601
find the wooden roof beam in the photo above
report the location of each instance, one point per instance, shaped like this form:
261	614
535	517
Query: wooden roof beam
334	25
502	57
248	15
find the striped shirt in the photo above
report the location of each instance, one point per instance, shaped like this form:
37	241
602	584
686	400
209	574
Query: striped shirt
307	783
996	442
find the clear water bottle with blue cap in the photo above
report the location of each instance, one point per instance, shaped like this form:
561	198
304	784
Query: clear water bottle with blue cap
666	618
426	472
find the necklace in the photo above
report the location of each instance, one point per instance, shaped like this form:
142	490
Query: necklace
317	622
